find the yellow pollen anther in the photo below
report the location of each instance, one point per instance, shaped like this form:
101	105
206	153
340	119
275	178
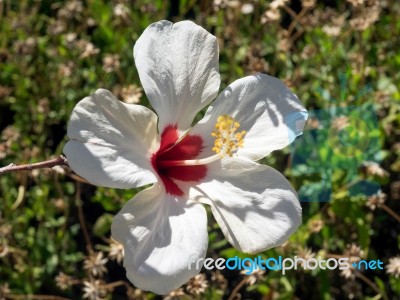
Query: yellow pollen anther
227	139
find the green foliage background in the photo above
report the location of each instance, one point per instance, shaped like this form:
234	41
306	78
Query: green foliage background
327	52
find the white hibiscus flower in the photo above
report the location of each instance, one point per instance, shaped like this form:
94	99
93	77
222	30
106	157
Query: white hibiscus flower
164	227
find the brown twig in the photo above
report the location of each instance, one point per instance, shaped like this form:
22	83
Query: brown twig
237	288
337	256
76	177
390	212
371	284
36	297
296	20
81	217
112	285
59	161
290	11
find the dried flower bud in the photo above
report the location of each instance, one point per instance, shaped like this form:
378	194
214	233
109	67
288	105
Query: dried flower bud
95	264
376	201
393	267
197	285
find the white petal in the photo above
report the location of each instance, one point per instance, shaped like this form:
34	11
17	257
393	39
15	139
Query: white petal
269	112
254	204
111	142
161	237
178	68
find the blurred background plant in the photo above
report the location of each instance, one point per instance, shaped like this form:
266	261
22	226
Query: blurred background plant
55	229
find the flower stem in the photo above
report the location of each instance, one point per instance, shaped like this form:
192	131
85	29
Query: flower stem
237	288
35	297
337	256
371	284
112	285
390	212
81	218
59	161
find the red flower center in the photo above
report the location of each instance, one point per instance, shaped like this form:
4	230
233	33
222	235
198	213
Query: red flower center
188	148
